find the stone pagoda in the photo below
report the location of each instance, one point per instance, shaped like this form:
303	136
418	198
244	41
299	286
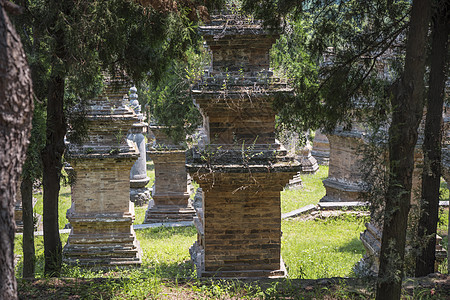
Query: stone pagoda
18	211
170	191
345	181
309	162
242	169
321	148
139	193
101	215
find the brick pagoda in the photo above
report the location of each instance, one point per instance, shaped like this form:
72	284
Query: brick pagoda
242	169
101	214
170	193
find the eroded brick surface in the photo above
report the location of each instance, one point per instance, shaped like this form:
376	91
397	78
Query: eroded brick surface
242	168
170	194
101	214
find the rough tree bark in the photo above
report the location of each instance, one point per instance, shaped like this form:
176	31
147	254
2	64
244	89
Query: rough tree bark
16	107
28	228
431	177
407	105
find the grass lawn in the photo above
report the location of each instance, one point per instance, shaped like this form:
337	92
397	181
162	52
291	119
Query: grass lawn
322	248
312	249
311	192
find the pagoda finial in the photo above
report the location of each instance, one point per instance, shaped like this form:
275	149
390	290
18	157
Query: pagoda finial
134	103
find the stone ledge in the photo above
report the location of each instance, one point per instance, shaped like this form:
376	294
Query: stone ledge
344	186
300	211
239	168
341	205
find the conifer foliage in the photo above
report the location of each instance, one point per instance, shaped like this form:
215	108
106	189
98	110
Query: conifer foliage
71	44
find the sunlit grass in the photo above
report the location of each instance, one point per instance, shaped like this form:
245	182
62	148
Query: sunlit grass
310	249
311	192
322	248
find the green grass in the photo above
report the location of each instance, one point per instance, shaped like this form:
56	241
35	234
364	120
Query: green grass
322	248
140	210
63	205
310	249
311	192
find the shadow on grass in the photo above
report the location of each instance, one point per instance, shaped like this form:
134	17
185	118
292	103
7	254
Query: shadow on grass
353	246
67	288
150	167
169	270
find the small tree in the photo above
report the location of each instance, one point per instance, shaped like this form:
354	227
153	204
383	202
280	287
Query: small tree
76	41
170	101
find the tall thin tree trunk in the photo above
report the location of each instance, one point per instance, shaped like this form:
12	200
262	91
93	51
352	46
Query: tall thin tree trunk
16	108
407	105
431	177
28	228
52	164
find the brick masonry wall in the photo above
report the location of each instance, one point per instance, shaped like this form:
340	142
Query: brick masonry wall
102	186
170	176
242	220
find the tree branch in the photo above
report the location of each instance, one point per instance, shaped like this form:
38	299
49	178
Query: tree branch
11	8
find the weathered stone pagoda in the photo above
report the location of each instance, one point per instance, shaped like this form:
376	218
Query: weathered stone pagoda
321	148
101	214
170	192
345	177
139	193
309	162
242	169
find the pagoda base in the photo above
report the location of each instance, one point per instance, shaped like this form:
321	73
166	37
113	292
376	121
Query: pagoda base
309	165
169	214
338	191
296	182
139	194
322	159
239	225
102	240
198	259
371	240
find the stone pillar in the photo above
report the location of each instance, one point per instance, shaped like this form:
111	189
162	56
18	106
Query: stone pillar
321	148
18	212
139	194
101	214
243	169
344	182
170	192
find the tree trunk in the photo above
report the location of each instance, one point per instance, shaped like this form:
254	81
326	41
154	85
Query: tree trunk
407	105
16	108
52	164
431	177
28	228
